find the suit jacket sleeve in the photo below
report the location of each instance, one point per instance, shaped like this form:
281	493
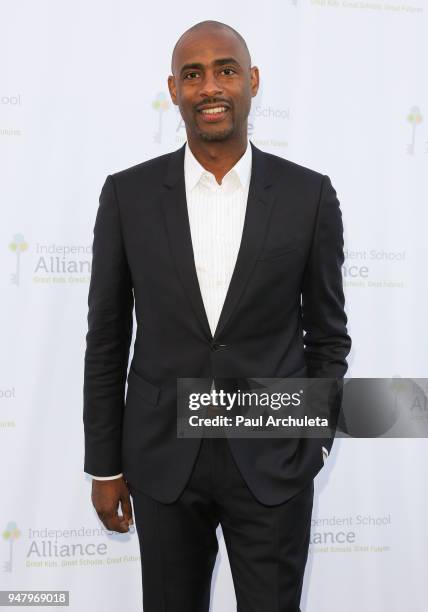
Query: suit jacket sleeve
110	321
323	315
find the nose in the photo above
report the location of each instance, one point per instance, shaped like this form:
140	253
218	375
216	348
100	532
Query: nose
210	86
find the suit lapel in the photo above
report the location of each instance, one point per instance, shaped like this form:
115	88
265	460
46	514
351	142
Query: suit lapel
258	210
174	205
259	207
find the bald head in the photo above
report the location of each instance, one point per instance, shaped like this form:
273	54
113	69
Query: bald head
211	65
208	27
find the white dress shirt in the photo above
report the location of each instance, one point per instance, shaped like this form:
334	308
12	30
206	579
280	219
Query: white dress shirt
216	216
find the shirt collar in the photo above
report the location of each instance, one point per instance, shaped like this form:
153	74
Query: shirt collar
194	171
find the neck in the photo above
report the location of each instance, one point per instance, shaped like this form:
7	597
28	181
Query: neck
218	157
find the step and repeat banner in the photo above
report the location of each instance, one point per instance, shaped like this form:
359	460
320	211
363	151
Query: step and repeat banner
83	94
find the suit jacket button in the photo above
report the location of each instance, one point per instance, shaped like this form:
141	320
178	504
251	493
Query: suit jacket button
217	347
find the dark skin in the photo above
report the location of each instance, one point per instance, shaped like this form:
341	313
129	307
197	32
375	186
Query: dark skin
216	145
106	497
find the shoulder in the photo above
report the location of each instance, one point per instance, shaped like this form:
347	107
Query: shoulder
282	166
292	178
152	169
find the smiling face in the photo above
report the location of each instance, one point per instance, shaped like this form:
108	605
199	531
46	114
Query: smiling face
213	83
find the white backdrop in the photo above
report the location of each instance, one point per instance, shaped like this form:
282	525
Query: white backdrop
83	93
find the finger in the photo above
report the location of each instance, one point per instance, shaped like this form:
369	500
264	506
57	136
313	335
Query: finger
125	501
113	522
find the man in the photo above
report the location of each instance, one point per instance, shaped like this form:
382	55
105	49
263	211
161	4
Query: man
229	255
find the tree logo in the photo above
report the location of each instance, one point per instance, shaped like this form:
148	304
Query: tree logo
160	104
414	118
17	246
10	534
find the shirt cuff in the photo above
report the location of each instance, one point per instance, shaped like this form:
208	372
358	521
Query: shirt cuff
106	477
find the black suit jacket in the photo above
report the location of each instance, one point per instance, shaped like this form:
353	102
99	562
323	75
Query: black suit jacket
287	280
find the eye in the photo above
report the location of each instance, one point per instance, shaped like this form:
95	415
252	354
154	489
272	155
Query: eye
189	74
229	69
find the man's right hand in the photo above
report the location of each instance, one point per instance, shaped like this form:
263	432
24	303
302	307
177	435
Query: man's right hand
106	495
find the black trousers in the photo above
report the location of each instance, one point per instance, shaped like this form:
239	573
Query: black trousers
267	546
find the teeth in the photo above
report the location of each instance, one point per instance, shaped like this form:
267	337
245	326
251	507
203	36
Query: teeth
212	111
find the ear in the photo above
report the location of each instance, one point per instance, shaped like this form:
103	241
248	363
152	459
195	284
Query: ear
255	80
172	89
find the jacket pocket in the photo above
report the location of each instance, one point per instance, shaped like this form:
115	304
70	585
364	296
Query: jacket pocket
143	387
277	252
